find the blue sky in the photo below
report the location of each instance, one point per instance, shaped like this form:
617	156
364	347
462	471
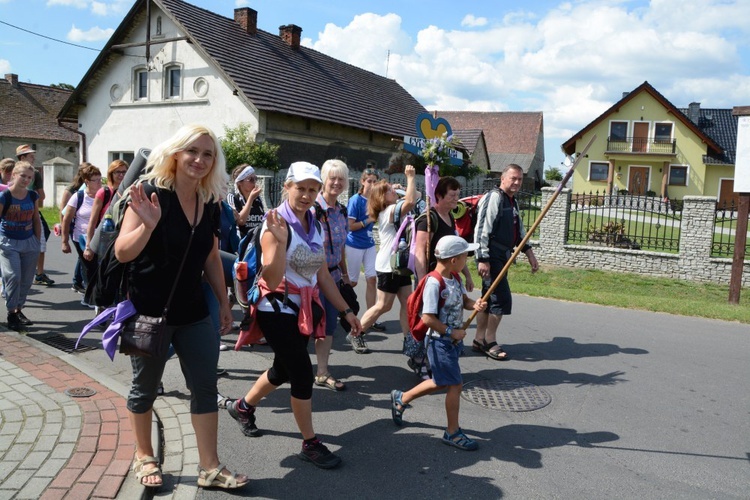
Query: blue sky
571	60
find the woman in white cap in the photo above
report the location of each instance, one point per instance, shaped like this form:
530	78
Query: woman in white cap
289	311
245	200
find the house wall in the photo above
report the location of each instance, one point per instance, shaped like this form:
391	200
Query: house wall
317	141
113	120
644	108
45	150
714	175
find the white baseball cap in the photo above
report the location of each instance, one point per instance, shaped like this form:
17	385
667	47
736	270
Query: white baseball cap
451	246
301	171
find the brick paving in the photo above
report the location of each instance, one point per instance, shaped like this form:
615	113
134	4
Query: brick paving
52	445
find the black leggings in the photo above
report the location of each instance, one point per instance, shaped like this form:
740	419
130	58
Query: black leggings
291	362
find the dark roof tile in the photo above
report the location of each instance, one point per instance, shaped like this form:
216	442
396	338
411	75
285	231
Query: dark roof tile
30	112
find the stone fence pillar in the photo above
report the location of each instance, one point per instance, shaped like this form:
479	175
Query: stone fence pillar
696	237
554	227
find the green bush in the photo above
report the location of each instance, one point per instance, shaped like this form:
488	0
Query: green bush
239	148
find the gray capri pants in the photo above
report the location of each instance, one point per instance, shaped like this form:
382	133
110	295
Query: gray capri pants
197	348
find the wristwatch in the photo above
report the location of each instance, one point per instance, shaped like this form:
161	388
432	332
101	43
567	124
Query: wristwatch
448	331
345	312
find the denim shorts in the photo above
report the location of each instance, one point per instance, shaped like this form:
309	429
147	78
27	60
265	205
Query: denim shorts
443	356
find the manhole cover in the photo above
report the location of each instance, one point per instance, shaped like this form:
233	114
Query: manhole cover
65	344
506	395
80	392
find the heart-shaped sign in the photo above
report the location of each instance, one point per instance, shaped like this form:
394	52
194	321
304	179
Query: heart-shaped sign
430	127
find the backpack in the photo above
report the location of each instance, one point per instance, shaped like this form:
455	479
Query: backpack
321	216
415	303
106	286
403	256
79	202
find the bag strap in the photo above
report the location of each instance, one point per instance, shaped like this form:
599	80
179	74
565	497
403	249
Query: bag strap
184	258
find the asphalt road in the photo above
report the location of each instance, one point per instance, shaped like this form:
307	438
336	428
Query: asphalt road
640	405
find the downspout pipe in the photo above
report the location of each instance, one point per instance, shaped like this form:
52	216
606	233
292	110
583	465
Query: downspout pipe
83	156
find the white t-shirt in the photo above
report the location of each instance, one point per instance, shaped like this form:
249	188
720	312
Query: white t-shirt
302	265
83	215
387	231
453	309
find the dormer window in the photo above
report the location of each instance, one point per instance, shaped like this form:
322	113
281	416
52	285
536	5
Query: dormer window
173	82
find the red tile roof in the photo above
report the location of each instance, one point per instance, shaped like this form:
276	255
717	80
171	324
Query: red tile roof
504	132
30	112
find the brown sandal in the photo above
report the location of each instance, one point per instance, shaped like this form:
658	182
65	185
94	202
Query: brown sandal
326	380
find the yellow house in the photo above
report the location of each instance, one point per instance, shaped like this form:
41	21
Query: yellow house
647	146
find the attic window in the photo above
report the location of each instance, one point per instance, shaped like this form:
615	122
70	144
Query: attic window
173	81
140	84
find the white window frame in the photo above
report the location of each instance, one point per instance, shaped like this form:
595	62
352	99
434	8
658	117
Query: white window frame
687	175
671	132
126	156
627	130
137	72
592	162
168	70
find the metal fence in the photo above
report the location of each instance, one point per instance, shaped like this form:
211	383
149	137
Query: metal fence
625	221
724	231
530	204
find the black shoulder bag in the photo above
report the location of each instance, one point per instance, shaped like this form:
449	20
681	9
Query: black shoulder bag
143	335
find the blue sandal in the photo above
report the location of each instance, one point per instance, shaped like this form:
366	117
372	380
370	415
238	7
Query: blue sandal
397	407
460	440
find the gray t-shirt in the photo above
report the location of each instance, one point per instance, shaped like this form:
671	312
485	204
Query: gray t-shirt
452	312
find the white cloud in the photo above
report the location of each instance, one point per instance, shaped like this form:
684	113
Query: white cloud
78	4
689	51
472	22
365	42
241	3
4	66
95	34
114	8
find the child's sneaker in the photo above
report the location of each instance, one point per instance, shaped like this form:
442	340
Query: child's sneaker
320	456
460	440
245	418
397	407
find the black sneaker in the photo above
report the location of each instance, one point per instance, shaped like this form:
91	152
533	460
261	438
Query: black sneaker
78	288
319	455
246	419
14	323
378	326
23	319
43	279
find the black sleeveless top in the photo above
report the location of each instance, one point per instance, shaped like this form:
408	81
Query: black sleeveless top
152	274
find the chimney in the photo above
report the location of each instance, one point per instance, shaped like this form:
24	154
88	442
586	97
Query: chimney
12	79
291	35
694	112
247	18
625	94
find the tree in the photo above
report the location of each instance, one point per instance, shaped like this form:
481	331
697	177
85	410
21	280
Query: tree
553	174
64	86
239	148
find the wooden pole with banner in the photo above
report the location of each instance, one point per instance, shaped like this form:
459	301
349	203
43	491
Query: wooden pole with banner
531	230
742	187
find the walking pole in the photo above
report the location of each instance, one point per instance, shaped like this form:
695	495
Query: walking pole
531	230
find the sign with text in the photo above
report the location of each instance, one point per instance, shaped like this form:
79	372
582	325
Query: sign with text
415	145
742	159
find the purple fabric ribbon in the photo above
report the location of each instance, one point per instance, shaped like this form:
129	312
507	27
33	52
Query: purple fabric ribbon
119	313
431	178
286	212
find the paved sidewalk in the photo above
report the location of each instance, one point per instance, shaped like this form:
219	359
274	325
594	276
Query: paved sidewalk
58	446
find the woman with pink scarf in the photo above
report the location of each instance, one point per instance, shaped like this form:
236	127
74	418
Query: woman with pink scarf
289	311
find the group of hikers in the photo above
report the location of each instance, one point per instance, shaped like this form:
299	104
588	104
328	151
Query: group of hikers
179	238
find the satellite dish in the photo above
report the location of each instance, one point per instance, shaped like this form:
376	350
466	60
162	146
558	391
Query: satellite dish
568	161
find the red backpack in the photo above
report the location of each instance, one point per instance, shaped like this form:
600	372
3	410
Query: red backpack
415	303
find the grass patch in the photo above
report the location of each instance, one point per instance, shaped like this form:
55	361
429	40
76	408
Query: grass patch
630	291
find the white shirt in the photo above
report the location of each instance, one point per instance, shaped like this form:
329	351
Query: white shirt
387	231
